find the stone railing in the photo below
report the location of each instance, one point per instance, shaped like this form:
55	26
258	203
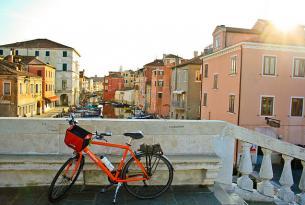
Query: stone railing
265	189
32	150
202	153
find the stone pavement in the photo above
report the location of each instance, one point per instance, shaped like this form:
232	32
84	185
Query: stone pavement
177	195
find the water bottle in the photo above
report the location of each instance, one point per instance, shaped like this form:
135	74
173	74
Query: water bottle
107	163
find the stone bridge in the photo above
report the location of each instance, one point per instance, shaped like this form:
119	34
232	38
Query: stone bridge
202	152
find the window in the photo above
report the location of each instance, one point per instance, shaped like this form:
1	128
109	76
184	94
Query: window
267	104
233	65
37	88
215	82
64	67
205	99
47	53
32	88
269	65
160	83
206	70
198	75
46	87
159	95
64	54
36	53
1	52
297	107
231	103
161	72
16	52
39	72
20	88
6	88
26	88
217	41
64	84
299	67
155	83
155	72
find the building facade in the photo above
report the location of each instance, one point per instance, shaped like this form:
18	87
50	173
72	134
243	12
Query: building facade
146	84
47	73
161	86
129	78
254	75
185	90
20	91
113	82
65	59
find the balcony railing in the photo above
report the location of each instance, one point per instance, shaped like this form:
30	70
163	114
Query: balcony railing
178	104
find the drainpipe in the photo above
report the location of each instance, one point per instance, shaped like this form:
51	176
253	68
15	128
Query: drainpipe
239	98
201	89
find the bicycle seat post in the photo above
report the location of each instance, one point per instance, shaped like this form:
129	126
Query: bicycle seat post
129	141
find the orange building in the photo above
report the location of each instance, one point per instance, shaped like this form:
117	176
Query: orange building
254	76
161	85
47	72
20	91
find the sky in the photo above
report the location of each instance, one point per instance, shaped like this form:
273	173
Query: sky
130	33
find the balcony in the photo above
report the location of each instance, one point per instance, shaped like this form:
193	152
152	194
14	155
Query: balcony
202	153
178	104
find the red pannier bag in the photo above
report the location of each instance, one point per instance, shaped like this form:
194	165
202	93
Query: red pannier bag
77	138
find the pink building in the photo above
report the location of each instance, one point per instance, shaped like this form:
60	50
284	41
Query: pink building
251	74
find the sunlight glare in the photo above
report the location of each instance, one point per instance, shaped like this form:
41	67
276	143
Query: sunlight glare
284	25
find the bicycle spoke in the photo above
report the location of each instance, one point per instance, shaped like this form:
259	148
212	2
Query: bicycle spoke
160	177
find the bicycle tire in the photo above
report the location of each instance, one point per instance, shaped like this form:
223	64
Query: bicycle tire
141	189
57	177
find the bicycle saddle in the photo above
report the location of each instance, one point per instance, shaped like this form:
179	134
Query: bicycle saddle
134	135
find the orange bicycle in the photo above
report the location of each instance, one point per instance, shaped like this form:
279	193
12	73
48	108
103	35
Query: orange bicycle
146	174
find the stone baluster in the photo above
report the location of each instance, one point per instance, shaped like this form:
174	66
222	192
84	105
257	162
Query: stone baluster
300	198
266	174
245	167
286	181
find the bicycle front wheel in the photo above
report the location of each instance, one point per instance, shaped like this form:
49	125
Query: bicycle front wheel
160	173
65	178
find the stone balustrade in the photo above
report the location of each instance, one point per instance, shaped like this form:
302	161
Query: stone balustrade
265	189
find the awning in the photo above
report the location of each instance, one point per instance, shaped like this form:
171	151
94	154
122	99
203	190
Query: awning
52	98
178	92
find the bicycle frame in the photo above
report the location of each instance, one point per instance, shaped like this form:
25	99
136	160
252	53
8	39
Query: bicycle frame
116	176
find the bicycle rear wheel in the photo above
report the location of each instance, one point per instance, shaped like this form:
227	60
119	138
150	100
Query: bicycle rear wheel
65	178
159	170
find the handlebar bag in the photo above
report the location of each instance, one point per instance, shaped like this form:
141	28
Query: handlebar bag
77	138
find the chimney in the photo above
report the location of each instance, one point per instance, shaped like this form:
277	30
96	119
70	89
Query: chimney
10	58
195	54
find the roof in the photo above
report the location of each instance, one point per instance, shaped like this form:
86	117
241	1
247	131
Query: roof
7	68
193	61
97	79
237	30
157	62
37	43
28	60
171	56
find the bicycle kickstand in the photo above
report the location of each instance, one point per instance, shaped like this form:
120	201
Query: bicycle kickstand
116	192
